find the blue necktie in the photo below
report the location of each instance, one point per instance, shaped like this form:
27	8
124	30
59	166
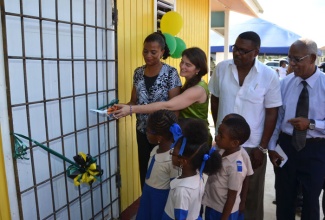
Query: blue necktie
298	136
150	167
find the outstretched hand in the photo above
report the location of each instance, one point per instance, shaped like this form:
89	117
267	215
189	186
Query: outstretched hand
122	110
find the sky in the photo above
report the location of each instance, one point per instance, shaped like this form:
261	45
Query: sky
305	18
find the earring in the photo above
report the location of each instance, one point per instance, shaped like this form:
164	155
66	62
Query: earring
180	169
158	142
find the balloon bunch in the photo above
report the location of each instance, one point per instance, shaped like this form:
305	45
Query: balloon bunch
170	25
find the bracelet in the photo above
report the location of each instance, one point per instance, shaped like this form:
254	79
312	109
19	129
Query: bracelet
262	149
130	110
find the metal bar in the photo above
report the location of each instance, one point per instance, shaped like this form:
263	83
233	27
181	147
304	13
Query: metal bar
86	91
62	98
97	102
57	59
99	126
107	73
54	20
45	106
74	93
116	87
7	79
27	109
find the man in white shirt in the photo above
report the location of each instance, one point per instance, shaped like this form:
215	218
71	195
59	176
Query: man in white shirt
282	70
247	87
306	157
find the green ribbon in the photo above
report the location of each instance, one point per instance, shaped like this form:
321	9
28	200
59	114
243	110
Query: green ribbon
20	149
113	102
83	170
43	147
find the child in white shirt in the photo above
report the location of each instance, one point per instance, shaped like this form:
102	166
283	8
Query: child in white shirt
223	196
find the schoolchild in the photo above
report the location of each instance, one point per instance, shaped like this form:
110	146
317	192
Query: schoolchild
223	196
194	157
160	169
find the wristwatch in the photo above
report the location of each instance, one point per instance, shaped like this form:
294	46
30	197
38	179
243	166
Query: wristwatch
262	149
311	124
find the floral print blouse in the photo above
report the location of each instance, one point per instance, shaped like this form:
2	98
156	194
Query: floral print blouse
167	79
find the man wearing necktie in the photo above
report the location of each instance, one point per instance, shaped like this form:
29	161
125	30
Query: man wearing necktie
300	132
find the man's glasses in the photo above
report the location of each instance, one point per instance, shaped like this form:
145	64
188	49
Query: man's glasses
297	60
240	51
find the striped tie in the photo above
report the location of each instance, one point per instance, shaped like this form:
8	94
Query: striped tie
298	136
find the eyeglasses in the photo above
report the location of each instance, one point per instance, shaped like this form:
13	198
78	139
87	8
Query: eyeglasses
297	60
240	51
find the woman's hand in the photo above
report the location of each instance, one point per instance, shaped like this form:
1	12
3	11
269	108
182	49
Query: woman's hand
122	110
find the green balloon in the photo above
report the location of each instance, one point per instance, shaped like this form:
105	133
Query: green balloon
171	42
180	47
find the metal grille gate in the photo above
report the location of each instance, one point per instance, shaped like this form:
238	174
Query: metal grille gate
60	63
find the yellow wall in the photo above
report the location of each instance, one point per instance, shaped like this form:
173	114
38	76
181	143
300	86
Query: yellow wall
4	207
135	22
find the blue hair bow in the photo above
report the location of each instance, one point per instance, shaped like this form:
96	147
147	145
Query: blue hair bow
176	130
205	158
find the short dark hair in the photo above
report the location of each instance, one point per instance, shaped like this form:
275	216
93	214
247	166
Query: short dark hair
283	61
252	36
196	133
160	121
233	115
238	129
160	39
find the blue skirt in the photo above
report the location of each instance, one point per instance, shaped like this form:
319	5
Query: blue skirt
211	214
152	203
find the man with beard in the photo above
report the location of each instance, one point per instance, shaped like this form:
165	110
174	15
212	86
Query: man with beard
245	86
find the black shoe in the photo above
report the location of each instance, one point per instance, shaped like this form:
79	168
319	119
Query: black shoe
274	202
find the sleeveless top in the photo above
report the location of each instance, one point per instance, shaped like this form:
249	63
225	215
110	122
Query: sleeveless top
197	110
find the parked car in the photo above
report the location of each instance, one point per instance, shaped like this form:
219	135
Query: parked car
273	64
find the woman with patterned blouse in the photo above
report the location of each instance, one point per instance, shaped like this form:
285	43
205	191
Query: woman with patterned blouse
153	82
194	98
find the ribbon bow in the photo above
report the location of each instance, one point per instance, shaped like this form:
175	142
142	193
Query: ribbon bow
87	171
83	170
176	130
205	158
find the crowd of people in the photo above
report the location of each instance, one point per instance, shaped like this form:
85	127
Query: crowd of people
255	113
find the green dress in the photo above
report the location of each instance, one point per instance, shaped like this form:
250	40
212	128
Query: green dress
198	110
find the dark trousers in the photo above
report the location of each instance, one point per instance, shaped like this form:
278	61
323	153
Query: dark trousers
307	167
323	203
144	149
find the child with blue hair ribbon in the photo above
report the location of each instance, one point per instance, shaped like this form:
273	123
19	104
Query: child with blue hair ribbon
190	153
225	192
160	168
